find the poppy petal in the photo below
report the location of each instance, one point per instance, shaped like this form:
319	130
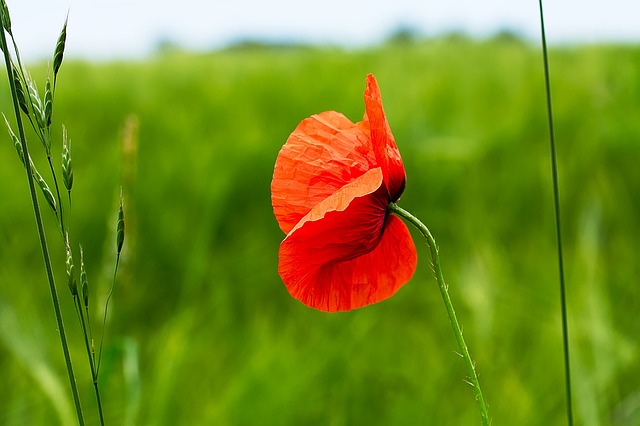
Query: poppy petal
384	145
347	252
325	152
346	224
354	283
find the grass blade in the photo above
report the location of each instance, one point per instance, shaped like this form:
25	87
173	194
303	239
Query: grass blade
556	206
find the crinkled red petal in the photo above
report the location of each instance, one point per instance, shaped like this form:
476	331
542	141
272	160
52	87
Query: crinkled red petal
325	152
358	282
347	252
384	145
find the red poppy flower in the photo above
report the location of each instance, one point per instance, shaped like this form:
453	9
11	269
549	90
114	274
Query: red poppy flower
332	184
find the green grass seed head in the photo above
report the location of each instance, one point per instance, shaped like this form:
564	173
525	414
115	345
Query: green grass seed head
36	103
22	100
59	52
48	195
39	112
83	280
48	103
6	19
120	227
67	170
14	138
71	276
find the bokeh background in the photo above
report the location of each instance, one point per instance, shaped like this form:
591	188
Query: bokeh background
201	330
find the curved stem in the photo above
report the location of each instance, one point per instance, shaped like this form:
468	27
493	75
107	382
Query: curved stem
106	308
41	234
444	291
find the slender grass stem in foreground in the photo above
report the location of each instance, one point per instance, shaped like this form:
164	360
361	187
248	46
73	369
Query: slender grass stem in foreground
81	301
556	205
36	209
473	377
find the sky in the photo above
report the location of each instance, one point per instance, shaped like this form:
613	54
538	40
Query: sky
112	29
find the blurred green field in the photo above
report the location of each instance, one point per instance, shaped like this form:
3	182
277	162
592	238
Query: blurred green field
201	330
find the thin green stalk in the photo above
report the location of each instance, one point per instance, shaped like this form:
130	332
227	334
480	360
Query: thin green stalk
556	205
106	308
444	291
90	355
81	302
41	234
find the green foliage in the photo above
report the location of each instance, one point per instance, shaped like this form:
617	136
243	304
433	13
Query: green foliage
201	330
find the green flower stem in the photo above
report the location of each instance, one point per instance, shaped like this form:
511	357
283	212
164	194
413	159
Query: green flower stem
41	234
473	377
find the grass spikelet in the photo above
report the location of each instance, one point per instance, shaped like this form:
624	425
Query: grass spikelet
36	102
67	170
14	138
6	19
120	226
45	188
48	103
59	52
83	280
39	112
22	100
71	276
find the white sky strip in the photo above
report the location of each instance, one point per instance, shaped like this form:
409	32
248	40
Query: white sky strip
101	29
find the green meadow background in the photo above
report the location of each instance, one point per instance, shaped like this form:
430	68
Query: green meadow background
201	331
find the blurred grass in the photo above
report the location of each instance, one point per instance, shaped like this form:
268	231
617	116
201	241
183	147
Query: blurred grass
202	331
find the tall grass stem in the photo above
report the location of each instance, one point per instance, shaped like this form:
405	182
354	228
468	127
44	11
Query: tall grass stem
90	355
41	234
444	291
556	207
